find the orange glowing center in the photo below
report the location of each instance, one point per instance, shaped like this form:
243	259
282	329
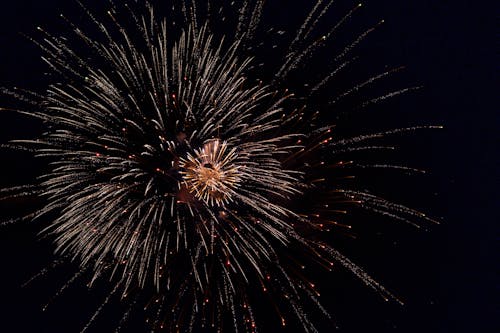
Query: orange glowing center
211	174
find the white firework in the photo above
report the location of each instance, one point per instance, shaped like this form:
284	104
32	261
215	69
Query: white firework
171	168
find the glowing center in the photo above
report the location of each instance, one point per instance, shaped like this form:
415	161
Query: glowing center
211	173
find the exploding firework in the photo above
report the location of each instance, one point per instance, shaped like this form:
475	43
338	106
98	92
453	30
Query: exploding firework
212	173
174	167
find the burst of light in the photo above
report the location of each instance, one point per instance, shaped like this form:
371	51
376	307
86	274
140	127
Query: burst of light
173	170
211	173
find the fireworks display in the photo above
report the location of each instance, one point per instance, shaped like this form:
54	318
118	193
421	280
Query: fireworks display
182	163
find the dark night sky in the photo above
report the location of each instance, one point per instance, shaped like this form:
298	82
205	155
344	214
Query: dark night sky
448	276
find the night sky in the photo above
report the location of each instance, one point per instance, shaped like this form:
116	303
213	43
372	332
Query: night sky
447	276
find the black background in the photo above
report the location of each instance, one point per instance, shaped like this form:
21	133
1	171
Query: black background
448	276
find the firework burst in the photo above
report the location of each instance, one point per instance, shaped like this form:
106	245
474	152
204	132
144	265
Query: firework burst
212	173
172	167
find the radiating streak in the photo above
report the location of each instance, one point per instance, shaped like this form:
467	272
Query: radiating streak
42	272
99	309
62	289
364	84
298	58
